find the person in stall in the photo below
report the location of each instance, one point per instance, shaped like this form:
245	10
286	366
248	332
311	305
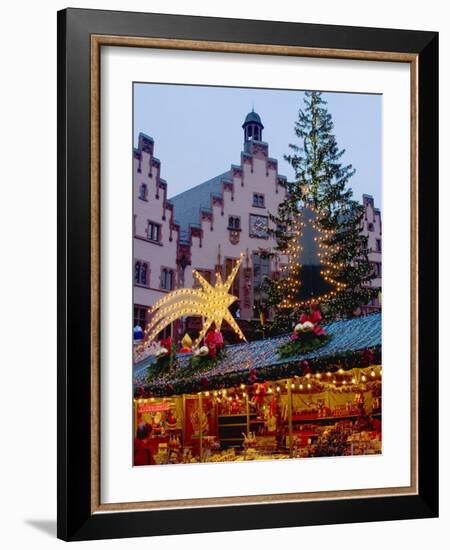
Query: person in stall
142	453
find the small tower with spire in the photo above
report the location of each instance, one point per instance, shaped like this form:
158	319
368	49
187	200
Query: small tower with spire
253	128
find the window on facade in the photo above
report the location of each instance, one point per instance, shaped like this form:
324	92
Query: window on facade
378	245
229	264
280	235
206	274
154	232
370	227
137	272
167	279
234	222
139	318
141	273
258	200
261	270
144	269
376	269
283	271
143	192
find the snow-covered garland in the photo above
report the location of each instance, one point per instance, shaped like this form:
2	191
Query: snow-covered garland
308	335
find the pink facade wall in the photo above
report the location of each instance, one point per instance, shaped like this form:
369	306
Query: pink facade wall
373	230
150	205
216	242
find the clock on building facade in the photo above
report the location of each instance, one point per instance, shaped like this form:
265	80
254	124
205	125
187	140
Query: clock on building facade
259	226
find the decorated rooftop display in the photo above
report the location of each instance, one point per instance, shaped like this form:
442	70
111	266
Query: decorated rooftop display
352	343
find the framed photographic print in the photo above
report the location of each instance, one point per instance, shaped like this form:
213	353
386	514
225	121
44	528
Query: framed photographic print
247	274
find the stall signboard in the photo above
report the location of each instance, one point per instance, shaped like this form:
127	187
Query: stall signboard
153	407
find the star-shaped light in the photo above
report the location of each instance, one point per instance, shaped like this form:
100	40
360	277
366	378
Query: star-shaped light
210	302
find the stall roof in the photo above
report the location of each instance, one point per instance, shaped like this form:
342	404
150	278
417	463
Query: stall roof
261	358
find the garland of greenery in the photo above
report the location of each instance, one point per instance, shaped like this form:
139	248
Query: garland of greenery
307	343
164	364
168	366
171	384
200	363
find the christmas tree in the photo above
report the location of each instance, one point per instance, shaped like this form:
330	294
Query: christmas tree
321	197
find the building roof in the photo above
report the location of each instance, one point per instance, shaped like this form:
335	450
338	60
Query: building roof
349	339
189	204
252	117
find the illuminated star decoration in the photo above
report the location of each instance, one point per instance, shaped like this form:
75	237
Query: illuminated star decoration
210	302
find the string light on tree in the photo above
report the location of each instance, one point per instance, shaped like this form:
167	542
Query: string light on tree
290	282
321	185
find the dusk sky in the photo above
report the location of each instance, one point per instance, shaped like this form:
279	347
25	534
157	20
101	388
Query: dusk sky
198	130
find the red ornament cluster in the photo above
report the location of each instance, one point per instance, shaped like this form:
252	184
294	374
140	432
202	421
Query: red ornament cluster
214	342
166	343
309	323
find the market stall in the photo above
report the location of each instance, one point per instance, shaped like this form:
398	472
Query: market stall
250	402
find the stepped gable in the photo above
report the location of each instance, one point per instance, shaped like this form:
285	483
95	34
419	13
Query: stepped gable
195	204
150	166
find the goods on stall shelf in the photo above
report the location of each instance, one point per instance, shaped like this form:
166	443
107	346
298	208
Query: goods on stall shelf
260	421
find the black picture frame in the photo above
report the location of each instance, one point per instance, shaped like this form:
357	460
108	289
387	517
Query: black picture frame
76	521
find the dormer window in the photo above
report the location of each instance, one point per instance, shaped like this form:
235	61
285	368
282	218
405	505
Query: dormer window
143	192
258	200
